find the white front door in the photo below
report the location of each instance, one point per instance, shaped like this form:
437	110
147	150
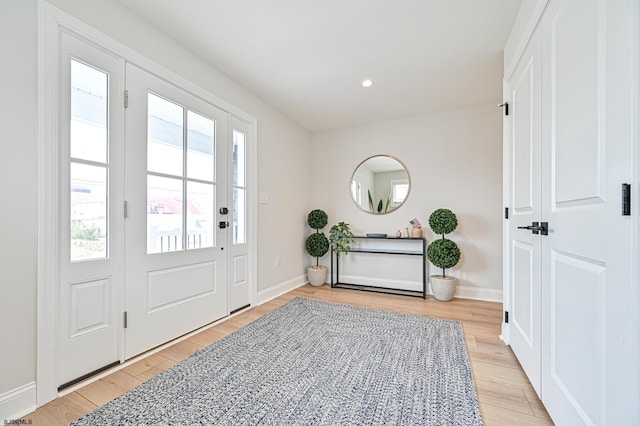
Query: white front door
90	197
586	258
525	209
176	190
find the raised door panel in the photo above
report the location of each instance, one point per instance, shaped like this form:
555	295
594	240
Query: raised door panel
89	334
577	96
195	281
90	306
577	336
523	278
524	138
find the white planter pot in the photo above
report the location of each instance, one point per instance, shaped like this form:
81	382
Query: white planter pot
317	275
443	288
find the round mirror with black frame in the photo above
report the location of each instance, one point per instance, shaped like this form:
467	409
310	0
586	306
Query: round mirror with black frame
380	184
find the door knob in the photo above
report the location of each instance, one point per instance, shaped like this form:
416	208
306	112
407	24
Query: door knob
223	225
541	228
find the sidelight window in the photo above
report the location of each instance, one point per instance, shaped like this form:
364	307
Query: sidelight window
89	162
239	187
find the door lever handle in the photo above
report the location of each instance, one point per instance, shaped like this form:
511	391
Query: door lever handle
541	228
534	227
223	225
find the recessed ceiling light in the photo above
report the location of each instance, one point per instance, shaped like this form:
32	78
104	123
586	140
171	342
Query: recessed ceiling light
367	83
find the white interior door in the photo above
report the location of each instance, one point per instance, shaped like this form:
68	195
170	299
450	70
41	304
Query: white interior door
176	171
587	134
525	208
91	188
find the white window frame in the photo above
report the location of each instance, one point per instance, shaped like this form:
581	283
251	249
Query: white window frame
356	191
394	183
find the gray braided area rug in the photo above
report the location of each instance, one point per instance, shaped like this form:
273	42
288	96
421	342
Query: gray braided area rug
313	363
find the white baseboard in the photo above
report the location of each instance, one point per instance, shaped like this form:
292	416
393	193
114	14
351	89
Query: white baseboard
486	294
280	289
504	336
18	402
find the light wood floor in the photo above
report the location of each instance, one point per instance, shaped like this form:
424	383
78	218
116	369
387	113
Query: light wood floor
504	393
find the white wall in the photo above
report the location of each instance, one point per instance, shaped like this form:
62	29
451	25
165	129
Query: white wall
285	176
454	160
283	166
18	194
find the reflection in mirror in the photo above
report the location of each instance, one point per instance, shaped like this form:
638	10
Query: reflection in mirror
380	184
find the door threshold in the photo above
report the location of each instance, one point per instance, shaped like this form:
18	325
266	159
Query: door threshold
86	376
235	311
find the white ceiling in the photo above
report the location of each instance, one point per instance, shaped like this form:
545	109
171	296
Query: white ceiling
308	58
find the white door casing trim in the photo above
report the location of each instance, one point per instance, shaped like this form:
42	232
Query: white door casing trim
48	262
50	22
515	47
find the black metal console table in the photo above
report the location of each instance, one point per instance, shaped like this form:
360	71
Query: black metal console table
386	290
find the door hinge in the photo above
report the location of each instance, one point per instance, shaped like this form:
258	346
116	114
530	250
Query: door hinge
506	107
126	99
126	209
506	317
626	199
506	212
126	319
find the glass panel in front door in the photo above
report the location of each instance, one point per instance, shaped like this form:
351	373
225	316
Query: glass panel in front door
180	178
164	214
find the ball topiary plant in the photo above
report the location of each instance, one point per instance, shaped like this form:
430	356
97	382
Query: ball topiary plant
443	221
443	253
317	245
